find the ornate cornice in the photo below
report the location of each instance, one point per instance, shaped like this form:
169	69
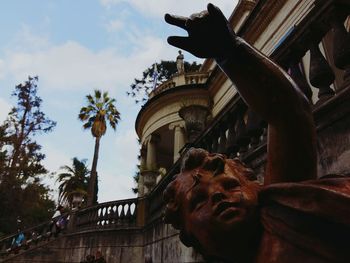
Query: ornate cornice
262	15
242	7
167	97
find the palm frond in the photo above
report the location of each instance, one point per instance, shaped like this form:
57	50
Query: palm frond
90	99
97	94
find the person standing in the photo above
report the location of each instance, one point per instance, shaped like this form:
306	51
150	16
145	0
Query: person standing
56	221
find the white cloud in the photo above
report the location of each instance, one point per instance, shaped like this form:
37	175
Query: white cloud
126	147
2	69
24	39
73	66
115	187
179	7
116	172
115	25
56	158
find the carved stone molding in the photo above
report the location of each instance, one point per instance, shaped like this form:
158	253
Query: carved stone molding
195	117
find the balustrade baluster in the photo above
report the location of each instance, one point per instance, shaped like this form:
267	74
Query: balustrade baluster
223	139
201	144
114	213
89	218
242	139
83	219
128	212
254	128
134	209
107	216
122	213
341	49
232	147
321	74
95	216
209	143
3	247
296	73
215	142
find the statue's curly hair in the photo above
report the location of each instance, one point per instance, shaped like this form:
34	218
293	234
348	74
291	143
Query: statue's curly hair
198	158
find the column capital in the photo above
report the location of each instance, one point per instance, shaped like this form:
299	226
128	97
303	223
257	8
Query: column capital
154	138
173	125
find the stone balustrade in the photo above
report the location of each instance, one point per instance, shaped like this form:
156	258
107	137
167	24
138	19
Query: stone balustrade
110	215
317	54
180	80
116	214
169	84
195	77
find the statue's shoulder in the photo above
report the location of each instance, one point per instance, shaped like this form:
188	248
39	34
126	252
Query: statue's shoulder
312	215
331	184
327	198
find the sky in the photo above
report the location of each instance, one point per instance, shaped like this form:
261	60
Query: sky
76	46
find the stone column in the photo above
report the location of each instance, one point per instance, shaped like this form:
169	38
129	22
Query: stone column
151	159
150	173
140	185
179	138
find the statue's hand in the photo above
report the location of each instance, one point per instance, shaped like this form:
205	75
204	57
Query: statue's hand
209	35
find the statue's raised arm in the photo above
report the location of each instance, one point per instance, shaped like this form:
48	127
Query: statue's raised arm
264	86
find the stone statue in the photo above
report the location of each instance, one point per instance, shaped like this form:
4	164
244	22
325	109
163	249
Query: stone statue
180	63
216	203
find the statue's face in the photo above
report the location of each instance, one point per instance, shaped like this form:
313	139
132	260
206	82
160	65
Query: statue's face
217	209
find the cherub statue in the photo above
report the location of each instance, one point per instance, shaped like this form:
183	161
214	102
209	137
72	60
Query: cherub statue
216	203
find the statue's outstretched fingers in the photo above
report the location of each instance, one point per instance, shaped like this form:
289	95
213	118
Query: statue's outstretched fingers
180	42
214	10
179	21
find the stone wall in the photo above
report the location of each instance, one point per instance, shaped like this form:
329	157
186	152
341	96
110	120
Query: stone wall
161	243
157	240
124	246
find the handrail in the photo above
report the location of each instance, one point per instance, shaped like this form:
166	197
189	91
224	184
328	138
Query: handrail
33	235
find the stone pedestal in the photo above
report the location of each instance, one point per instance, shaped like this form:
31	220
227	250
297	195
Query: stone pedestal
149	179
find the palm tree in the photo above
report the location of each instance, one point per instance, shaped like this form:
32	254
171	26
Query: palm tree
74	180
99	110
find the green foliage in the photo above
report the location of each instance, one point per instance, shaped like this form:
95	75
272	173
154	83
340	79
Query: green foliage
30	202
21	191
73	180
136	178
141	87
100	108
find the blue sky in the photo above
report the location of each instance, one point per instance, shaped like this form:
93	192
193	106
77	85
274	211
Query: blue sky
76	46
